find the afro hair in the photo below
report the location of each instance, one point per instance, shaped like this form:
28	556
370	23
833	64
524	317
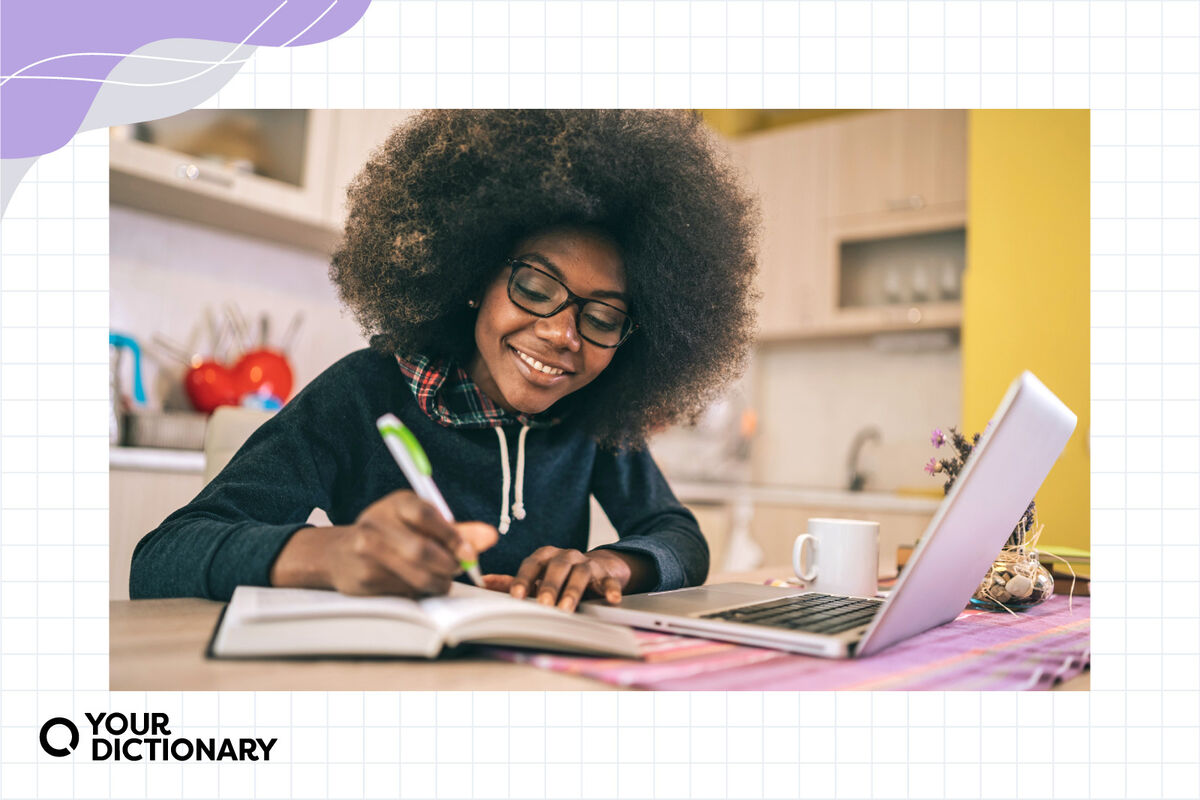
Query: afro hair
438	207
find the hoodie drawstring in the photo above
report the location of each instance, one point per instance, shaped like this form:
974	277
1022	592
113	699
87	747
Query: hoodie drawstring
505	519
518	506
518	509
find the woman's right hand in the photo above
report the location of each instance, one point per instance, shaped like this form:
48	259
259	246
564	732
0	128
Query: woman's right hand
399	545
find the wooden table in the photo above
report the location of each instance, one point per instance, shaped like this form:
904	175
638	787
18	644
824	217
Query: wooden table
158	645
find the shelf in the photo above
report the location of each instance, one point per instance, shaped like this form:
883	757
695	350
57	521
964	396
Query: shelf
830	184
297	212
888	319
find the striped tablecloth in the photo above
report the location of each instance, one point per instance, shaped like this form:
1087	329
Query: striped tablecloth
980	650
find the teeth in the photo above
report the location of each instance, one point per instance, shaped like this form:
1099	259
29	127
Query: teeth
539	366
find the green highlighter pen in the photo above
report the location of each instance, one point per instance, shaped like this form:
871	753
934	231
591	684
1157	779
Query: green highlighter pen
416	467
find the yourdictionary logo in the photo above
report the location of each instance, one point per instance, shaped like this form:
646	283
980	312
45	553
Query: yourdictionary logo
146	737
44	736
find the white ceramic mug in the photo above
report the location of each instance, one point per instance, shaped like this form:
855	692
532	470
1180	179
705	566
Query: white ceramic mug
838	556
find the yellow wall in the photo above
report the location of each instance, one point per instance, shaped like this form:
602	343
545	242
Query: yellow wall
1026	293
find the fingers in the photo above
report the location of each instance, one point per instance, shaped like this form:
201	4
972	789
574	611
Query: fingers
479	535
554	576
589	575
613	575
436	542
380	581
424	518
609	588
529	571
367	577
581	576
498	583
463	540
419	562
561	578
398	546
401	544
407	537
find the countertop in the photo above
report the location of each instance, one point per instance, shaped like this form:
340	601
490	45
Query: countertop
156	459
153	459
723	492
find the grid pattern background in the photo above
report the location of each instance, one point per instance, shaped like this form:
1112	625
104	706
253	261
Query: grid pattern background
1136	734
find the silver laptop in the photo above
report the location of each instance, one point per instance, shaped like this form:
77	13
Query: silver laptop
1013	457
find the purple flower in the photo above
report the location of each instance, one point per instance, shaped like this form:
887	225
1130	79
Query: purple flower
932	466
938	438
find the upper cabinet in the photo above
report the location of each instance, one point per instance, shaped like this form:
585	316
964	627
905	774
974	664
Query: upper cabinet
864	223
897	162
788	169
275	174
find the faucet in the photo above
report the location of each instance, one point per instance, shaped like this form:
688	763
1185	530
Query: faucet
856	480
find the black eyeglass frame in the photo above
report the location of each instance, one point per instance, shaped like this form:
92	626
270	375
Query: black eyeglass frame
572	299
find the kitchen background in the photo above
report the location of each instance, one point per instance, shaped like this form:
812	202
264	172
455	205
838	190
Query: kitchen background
912	263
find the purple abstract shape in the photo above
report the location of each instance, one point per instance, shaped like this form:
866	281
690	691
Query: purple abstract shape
39	116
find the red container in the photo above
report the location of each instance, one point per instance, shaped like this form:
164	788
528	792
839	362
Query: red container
210	384
263	370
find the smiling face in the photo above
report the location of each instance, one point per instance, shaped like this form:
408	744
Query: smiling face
526	363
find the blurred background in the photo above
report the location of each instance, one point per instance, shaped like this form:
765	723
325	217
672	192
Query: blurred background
912	263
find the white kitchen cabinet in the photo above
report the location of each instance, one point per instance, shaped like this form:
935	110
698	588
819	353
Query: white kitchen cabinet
943	228
788	169
306	208
897	162
826	187
261	173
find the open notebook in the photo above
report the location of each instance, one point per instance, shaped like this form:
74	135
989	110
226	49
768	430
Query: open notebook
272	623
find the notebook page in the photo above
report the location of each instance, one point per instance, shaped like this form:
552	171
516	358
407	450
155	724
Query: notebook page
473	614
263	604
465	602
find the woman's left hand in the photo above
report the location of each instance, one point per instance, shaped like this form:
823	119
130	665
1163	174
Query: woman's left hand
561	577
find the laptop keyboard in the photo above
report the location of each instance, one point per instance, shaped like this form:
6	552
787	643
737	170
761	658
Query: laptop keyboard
813	613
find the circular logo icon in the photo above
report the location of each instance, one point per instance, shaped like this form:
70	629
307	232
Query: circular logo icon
59	752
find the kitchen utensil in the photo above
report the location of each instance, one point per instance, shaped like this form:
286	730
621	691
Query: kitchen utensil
263	370
119	340
209	384
241	330
285	345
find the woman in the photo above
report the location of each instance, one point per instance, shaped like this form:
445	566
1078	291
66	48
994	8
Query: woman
541	289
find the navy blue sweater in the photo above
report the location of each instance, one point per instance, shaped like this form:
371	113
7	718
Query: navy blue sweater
324	451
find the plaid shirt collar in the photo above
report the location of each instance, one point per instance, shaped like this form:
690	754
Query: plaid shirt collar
447	395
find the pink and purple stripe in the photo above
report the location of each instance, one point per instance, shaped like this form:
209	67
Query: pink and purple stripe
978	651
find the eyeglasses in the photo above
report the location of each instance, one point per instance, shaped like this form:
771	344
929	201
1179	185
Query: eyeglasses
544	295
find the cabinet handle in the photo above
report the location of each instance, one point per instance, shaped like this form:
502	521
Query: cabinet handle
913	315
913	202
191	172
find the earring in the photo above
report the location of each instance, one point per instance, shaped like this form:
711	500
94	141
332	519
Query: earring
472	304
